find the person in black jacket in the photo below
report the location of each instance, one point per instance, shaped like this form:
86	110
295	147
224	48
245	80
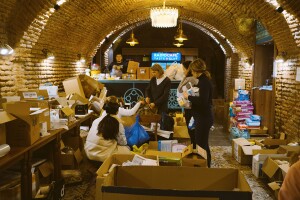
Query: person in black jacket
158	90
202	105
118	67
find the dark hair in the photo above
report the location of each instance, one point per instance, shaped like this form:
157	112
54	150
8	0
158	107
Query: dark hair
109	126
199	66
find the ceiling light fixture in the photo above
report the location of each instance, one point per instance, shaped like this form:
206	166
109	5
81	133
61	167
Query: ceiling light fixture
177	43
49	55
281	57
132	40
164	17
5	49
80	58
180	35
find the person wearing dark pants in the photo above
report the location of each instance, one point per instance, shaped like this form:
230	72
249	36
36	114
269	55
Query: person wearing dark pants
202	105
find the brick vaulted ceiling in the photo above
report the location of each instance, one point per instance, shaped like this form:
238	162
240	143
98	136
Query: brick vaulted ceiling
81	25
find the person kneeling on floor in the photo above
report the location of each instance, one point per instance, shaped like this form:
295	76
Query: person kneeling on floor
107	134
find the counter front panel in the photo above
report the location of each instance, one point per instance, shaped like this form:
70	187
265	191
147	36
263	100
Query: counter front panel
131	90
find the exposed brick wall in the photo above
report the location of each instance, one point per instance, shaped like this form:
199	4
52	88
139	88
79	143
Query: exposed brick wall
287	101
79	27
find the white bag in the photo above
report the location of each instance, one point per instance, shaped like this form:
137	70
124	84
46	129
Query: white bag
172	70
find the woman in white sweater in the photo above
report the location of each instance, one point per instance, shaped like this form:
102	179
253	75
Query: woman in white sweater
107	134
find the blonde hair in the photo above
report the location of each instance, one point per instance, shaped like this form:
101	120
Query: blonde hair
157	67
199	66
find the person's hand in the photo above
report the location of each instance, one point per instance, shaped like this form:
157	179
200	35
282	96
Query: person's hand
152	105
185	95
192	80
142	102
148	100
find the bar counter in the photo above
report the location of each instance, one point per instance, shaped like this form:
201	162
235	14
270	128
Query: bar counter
131	90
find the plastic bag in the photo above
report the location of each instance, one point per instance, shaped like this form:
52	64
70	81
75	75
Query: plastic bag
171	70
136	134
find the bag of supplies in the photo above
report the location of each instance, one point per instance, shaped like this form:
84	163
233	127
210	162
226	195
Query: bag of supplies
136	134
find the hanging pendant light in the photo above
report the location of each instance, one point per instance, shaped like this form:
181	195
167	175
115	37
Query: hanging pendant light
180	35
132	40
177	43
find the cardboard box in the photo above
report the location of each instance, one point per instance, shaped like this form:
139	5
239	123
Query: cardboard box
33	94
176	183
271	143
239	83
51	89
132	67
180	129
25	130
71	161
143	73
73	85
274	170
45	115
116	159
242	150
189	157
259	158
4	118
90	86
10	185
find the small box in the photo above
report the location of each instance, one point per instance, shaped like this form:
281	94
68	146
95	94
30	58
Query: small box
239	84
143	73
132	67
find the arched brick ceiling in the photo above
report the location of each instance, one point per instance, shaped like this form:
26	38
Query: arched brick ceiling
79	26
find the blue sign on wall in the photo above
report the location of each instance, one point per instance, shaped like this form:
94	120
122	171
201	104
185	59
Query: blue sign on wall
164	56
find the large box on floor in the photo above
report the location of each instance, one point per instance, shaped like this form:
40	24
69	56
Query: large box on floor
176	183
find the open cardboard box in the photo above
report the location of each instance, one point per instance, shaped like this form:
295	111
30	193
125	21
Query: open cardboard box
189	157
71	161
242	150
176	183
274	170
4	118
25	130
259	157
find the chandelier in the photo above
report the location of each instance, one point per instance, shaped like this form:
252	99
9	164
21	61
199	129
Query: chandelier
164	17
